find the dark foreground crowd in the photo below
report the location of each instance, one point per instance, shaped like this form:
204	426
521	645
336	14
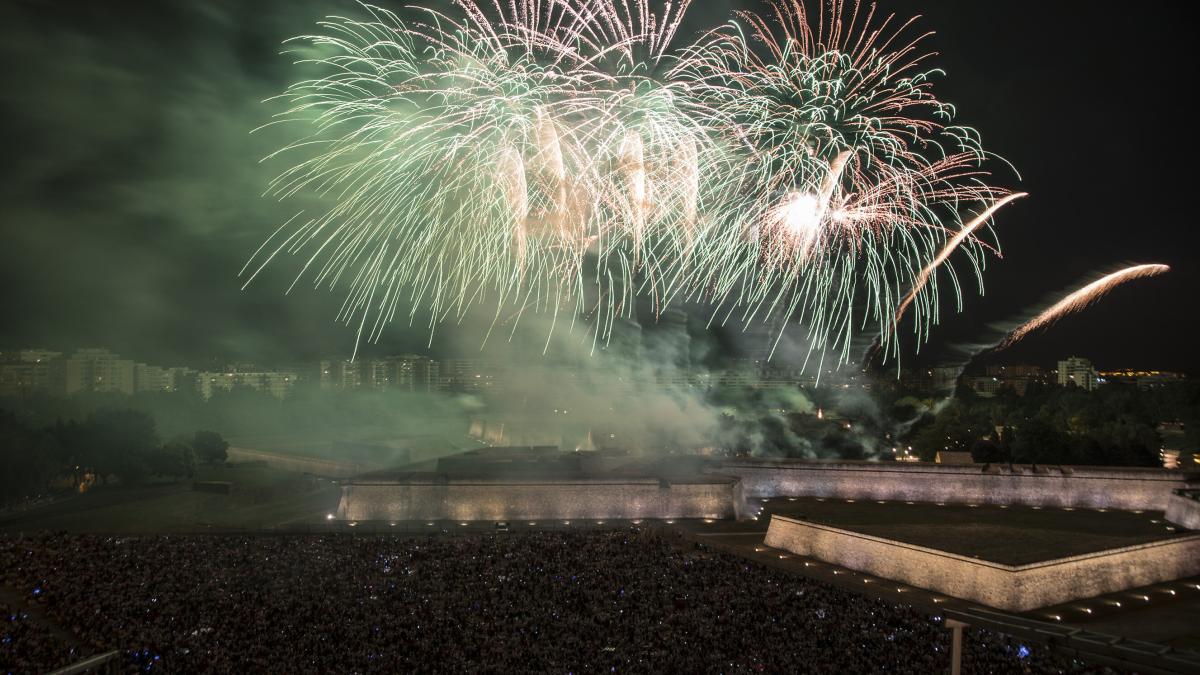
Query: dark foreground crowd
557	602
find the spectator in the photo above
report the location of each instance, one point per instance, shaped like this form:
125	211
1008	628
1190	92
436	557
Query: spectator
608	601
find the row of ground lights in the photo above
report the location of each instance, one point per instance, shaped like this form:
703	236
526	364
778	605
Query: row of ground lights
1137	597
464	523
837	571
973	506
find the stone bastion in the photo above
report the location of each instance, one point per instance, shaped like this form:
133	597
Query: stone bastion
1009	587
437	497
1046	486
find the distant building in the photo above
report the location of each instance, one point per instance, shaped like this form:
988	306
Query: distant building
340	374
406	372
985	386
1009	372
29	356
413	372
97	370
159	379
944	377
276	383
935	379
1017	378
781	372
1143	379
1077	371
149	378
953	457
86	370
378	375
28	370
471	375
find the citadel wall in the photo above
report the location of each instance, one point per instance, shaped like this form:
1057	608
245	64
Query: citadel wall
1080	487
461	499
1008	587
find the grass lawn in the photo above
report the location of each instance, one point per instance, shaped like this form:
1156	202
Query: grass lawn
262	498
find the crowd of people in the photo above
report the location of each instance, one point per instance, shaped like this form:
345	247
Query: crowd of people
28	646
555	601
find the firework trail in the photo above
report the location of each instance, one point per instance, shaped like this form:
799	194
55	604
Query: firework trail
1081	299
999	338
923	278
967	231
569	158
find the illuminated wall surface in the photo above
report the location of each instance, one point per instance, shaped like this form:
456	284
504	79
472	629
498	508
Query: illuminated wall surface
1008	587
1085	487
539	500
1185	510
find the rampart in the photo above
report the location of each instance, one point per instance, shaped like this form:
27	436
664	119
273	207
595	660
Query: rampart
1008	587
433	498
1081	487
1183	508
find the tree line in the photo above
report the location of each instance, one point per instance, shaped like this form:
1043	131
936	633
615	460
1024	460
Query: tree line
117	445
1115	425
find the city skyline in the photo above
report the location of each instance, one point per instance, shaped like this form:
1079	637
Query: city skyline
83	370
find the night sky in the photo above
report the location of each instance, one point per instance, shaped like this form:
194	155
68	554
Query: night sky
131	192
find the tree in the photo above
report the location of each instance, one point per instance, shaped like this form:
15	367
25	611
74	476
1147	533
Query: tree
985	452
210	447
26	460
1040	442
119	442
175	459
957	427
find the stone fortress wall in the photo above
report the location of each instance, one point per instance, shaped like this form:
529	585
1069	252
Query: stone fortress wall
502	500
1183	508
1008	587
1080	487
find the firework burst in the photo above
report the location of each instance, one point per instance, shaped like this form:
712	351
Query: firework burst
569	157
857	178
